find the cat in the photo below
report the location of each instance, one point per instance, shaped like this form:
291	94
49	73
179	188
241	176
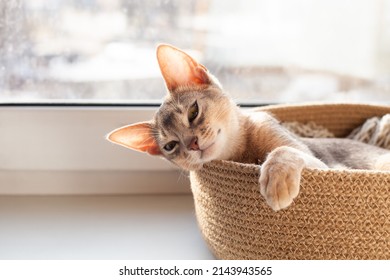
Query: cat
198	123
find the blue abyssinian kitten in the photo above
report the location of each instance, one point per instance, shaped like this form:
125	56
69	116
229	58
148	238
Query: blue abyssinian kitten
198	123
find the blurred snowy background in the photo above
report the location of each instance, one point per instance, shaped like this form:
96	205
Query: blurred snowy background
262	51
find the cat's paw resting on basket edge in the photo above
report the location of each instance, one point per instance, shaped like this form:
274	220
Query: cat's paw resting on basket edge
198	122
280	175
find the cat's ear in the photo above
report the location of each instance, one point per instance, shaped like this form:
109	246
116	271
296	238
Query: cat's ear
137	137
179	69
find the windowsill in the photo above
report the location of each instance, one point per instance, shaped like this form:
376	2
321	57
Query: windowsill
100	227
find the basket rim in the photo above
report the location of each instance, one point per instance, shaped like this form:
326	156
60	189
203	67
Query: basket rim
255	168
339	118
325	105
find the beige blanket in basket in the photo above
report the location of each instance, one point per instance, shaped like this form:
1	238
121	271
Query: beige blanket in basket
375	131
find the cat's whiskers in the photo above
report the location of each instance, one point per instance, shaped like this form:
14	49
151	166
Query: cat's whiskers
181	175
191	161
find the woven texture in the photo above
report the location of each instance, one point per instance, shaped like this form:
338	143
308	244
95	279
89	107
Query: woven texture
337	215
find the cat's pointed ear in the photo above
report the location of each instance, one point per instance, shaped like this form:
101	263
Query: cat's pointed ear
137	137
180	69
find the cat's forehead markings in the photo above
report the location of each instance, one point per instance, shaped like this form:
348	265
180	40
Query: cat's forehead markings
168	120
163	134
174	106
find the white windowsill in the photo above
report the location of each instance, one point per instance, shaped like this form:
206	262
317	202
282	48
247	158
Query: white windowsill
100	227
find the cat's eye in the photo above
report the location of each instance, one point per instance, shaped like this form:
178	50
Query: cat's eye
170	146
193	112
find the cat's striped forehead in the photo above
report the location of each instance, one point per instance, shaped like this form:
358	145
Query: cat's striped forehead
170	116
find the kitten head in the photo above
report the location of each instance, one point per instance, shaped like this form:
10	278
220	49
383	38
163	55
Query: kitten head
195	122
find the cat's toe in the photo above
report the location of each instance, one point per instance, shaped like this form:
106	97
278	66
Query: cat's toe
277	195
279	185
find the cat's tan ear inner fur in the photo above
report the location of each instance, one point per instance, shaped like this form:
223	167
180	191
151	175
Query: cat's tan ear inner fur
137	137
180	69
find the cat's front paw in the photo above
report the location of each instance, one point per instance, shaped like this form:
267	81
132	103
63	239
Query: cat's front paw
279	180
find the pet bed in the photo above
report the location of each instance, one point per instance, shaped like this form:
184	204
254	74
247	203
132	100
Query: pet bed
339	214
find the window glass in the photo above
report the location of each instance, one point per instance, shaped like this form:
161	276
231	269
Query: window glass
262	51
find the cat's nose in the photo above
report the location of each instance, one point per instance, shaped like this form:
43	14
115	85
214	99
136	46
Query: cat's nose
194	144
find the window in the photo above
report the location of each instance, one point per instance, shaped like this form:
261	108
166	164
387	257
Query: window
262	51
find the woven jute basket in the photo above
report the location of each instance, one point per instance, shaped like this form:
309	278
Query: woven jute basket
337	214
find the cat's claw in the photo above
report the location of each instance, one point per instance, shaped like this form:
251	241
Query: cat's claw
280	178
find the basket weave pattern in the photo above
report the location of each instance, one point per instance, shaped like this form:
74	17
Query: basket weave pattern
338	214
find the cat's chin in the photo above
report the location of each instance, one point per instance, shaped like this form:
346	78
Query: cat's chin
193	167
208	153
202	157
196	166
